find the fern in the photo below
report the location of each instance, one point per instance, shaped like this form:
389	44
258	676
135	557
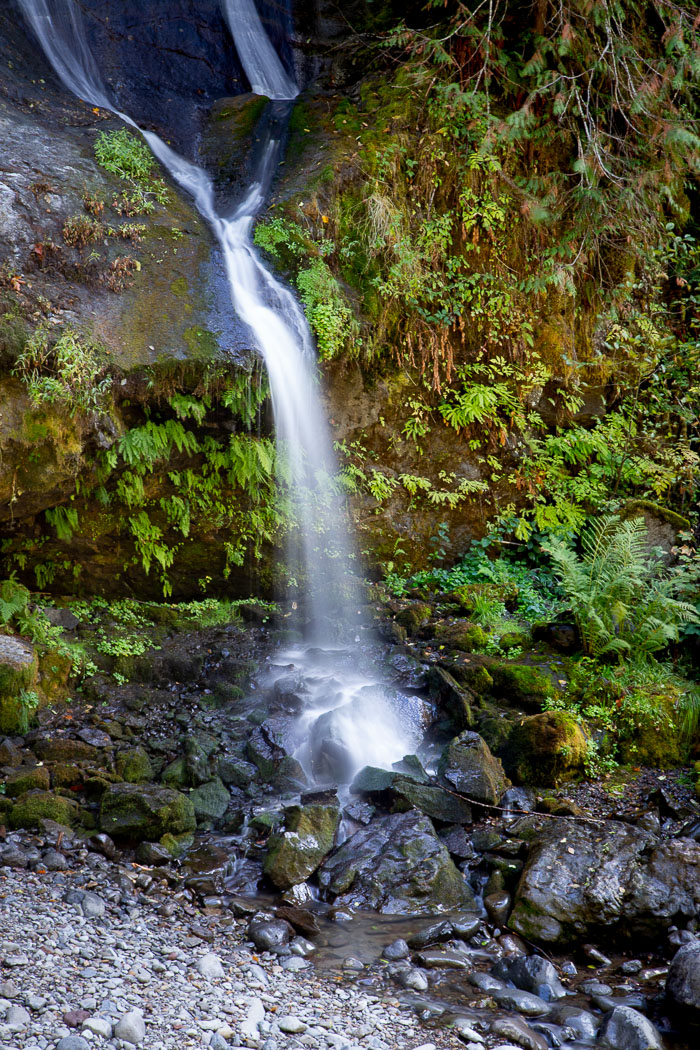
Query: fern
13	599
621	595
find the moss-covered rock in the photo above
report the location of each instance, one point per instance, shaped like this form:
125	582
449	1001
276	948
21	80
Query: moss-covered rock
134	766
655	736
30	809
145	813
64	749
66	775
18	669
210	800
521	684
175	774
454	700
468	767
464	636
415	617
309	835
516	638
475	676
27	779
177	845
496	592
545	749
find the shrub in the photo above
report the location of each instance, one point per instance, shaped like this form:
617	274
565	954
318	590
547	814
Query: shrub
620	592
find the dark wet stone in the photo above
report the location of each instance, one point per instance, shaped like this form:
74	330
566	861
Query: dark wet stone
13	857
396	950
532	974
153	854
635	1001
434	934
627	1029
518	800
360	812
397	865
522	1002
270	935
95	737
683	982
458	842
582	1022
485	982
103	844
581	878
457	701
519	1032
443	958
140	811
498	906
468	767
301	919
408	672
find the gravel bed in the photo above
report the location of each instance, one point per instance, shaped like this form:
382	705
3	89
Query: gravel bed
81	970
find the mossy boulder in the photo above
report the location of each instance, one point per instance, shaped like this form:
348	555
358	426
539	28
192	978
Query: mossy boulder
474	676
495	592
210	800
30	809
66	775
468	767
145	812
18	671
177	845
176	775
655	737
516	638
415	617
454	700
545	749
464	636
308	836
64	749
24	779
521	685
134	766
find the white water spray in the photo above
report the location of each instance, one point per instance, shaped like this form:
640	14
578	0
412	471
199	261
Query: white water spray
368	727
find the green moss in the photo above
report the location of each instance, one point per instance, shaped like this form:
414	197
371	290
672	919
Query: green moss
545	749
17	677
22	780
521	684
31	809
180	287
201	342
633	509
467	637
134	766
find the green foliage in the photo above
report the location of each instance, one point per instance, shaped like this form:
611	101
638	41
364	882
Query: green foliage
126	156
620	593
27	701
325	303
14	598
70	371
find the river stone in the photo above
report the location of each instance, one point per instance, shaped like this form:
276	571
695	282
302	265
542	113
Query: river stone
398	866
145	811
626	1029
683	981
131	1027
584	879
531	974
468	767
308	837
582	1022
270	935
519	1032
523	1002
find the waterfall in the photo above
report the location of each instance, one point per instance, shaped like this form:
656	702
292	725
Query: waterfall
363	722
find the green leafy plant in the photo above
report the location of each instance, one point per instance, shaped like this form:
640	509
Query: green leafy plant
619	591
129	158
70	370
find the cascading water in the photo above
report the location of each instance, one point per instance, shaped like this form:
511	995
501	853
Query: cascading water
349	720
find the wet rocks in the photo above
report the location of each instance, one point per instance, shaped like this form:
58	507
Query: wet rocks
399	791
532	974
683	982
309	836
269	935
145	812
468	767
626	1029
34	806
396	865
581	878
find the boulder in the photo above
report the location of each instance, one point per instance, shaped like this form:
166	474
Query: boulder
586	880
468	767
457	702
145	812
397	865
34	806
545	749
531	974
18	671
210	800
683	981
626	1029
398	791
134	766
27	778
521	685
308	837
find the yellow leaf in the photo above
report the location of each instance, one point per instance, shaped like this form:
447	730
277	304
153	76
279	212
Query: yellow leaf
324	218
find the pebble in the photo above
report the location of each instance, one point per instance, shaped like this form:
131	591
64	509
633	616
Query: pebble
210	966
131	1027
292	1025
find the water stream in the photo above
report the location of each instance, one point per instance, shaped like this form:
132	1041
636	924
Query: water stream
349	714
